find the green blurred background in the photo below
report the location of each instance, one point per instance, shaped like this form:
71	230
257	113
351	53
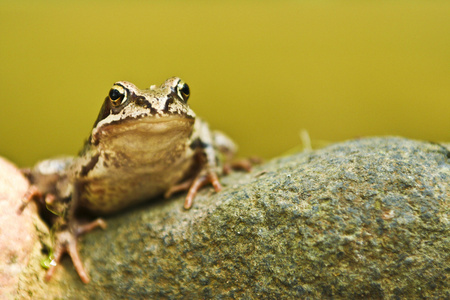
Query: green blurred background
259	70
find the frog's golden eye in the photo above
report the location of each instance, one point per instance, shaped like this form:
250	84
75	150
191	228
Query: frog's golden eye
117	95
183	90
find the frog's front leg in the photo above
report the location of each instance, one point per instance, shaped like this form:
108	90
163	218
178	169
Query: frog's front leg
206	159
58	210
200	180
66	242
206	174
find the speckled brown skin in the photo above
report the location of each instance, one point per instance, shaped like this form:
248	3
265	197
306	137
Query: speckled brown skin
144	143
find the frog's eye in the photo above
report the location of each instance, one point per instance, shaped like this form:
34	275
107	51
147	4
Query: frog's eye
117	95
183	90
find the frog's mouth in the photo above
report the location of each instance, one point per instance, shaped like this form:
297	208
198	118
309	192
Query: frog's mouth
144	127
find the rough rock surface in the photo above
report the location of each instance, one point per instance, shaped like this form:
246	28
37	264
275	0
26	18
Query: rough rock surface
363	218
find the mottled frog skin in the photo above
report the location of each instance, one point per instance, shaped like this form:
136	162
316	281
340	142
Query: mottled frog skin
144	143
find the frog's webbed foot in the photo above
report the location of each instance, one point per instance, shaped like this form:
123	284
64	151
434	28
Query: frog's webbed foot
194	185
66	242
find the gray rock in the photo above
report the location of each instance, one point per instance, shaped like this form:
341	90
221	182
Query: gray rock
363	218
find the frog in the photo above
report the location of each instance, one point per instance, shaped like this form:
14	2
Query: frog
144	144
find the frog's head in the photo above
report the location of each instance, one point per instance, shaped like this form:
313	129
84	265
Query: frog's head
155	109
125	101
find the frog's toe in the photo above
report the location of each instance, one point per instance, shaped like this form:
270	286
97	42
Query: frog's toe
183	186
66	242
33	193
85	228
197	184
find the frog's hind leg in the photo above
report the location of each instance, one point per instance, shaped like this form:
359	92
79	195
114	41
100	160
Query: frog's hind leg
66	242
244	164
227	149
